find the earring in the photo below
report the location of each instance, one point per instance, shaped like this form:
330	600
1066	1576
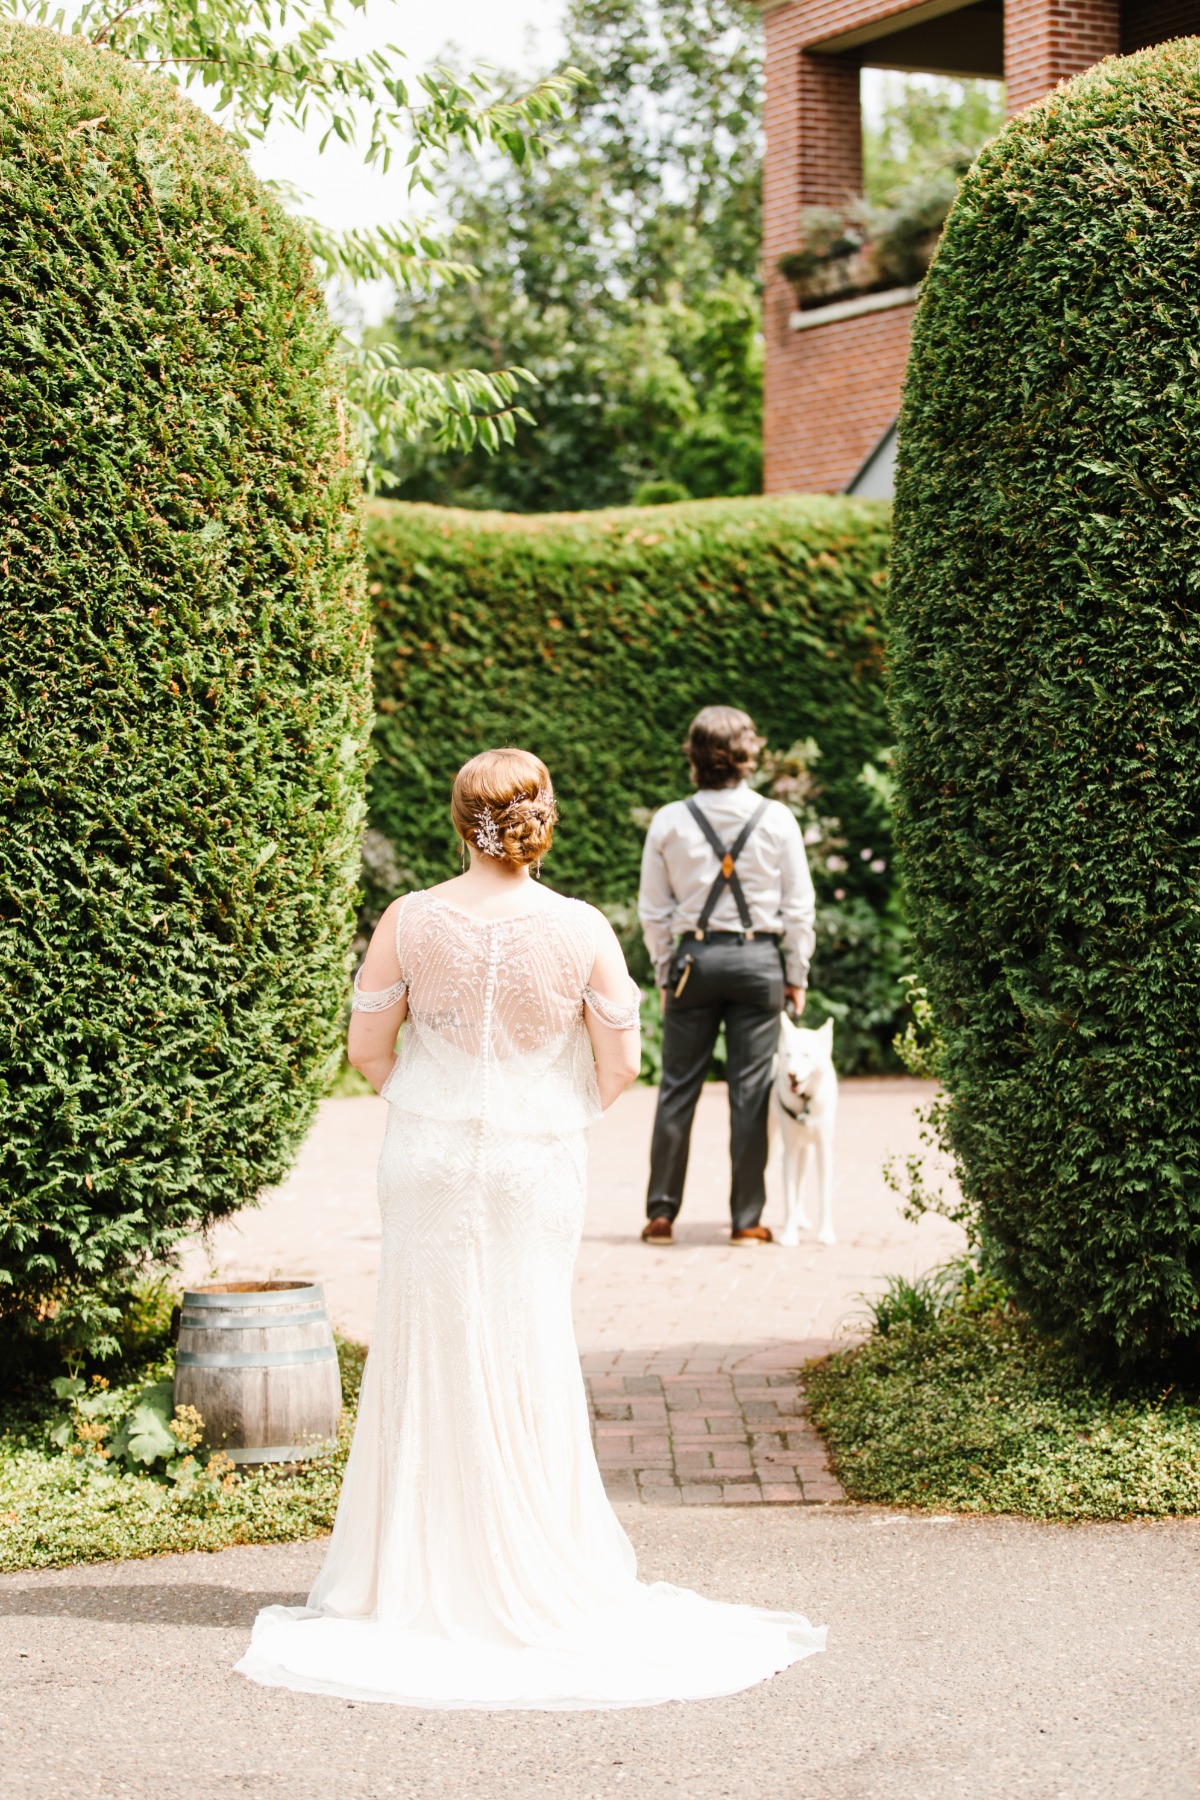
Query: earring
462	854
537	869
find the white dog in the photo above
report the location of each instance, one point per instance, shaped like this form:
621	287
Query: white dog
805	1103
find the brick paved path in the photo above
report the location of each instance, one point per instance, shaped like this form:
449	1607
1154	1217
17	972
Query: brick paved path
700	1440
691	1352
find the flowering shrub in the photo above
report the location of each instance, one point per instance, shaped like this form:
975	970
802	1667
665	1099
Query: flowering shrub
100	1480
140	1428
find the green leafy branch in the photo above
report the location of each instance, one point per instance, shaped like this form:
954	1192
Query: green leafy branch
232	50
392	405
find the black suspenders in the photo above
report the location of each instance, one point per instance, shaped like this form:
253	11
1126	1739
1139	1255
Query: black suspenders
727	877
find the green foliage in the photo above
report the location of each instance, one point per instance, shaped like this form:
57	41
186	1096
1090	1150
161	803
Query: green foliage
923	125
621	269
660	493
138	1426
862	248
594	639
185	691
261	66
84	1495
862	946
1044	662
955	1401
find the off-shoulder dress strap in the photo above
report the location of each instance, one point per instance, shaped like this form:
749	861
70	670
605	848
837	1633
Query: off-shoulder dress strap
388	997
612	1012
621	1017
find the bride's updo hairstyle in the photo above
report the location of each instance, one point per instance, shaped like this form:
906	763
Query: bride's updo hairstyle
503	806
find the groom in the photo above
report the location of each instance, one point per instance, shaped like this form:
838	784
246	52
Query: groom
726	904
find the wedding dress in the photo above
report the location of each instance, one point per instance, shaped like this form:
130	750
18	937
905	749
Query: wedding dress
475	1559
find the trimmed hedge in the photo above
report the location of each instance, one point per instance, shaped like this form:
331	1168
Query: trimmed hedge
593	638
184	690
1045	664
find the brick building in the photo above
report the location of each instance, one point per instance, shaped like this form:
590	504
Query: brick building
833	373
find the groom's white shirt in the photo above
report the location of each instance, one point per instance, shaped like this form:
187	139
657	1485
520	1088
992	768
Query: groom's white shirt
679	867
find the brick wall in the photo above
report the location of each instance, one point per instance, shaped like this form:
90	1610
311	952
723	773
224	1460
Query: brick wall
1047	41
814	158
1146	22
812	120
830	397
820	19
833	390
829	168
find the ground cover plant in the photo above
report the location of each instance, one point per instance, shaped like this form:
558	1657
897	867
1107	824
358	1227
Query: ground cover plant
955	1401
594	638
98	1467
1043	656
185	696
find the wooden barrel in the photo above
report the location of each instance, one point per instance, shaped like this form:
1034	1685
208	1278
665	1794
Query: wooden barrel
257	1361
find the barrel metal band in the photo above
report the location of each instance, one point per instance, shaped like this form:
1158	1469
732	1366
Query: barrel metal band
247	1321
279	1452
252	1359
312	1294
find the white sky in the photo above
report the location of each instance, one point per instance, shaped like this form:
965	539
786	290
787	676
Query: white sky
345	193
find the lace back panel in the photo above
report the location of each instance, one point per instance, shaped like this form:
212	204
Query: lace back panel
495	1016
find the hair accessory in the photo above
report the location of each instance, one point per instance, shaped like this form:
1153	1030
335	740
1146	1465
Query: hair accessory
487	837
527	809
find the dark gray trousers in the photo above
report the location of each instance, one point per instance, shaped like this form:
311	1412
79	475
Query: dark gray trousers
742	985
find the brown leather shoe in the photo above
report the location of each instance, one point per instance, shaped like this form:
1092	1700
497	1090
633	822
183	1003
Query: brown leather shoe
753	1234
657	1231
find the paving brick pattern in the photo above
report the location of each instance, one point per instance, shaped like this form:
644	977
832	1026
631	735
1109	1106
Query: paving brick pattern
734	1438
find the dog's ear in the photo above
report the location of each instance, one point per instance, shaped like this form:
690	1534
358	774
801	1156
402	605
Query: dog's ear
826	1031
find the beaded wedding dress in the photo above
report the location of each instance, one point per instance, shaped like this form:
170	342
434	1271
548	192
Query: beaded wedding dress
475	1560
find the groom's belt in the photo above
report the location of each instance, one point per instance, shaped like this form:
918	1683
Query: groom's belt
731	937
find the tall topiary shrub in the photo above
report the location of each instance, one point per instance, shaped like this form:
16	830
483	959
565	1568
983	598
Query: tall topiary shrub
594	638
1045	657
183	675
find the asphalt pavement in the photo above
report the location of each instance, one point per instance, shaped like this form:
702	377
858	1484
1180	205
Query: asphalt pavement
987	1658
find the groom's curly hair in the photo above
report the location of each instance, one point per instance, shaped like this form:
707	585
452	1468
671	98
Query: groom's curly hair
722	747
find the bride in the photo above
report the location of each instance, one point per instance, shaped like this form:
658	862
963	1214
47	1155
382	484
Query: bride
475	1560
